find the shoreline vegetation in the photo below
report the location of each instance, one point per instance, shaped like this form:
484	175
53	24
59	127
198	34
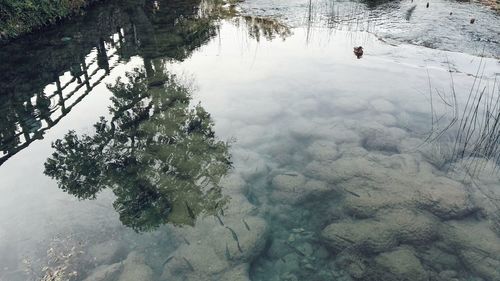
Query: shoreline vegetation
20	17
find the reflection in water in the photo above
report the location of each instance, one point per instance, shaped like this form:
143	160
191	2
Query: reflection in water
265	27
159	156
327	184
61	74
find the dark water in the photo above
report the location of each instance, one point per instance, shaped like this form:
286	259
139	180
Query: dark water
179	140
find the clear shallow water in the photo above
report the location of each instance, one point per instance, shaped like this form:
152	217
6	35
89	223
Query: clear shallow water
329	177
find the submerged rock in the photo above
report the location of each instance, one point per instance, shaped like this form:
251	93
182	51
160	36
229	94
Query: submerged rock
292	187
238	273
382	105
445	198
322	150
108	252
382	233
215	249
135	268
400	265
105	273
477	246
383	139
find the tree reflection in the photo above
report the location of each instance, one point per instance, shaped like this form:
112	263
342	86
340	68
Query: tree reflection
158	155
266	27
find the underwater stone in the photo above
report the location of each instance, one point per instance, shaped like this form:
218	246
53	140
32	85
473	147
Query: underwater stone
357	269
382	105
349	104
368	203
278	249
382	139
238	273
445	198
251	242
322	150
292	187
439	259
477	246
306	249
134	268
321	252
194	262
232	184
385	119
108	252
288	182
252	164
382	233
105	273
217	251
402	265
292	261
448	274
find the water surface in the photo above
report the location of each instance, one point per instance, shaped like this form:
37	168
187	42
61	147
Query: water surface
179	141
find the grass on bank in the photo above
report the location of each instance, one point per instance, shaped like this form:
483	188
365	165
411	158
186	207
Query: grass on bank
22	16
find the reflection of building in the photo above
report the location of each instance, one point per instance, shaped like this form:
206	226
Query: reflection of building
50	106
52	75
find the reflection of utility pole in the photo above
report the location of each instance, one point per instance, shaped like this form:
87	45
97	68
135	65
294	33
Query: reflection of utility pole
149	67
43	106
309	19
119	44
85	74
102	57
136	41
60	94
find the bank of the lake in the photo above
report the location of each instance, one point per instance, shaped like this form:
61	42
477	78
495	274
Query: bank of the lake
18	17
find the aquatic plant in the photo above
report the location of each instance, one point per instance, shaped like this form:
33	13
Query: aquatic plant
473	127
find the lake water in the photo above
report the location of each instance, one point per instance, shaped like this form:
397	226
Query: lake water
179	140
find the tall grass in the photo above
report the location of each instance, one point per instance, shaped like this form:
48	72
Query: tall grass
473	128
21	16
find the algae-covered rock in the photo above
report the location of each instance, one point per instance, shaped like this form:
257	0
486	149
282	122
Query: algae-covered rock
401	265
